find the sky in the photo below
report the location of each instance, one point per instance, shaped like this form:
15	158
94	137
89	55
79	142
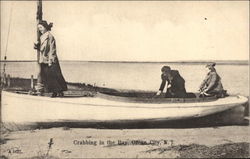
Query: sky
130	31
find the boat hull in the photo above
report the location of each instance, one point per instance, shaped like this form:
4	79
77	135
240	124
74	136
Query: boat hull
20	109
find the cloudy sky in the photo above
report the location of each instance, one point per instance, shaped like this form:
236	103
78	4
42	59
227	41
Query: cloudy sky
131	31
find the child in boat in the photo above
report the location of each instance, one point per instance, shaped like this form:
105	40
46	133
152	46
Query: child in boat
51	78
211	85
175	83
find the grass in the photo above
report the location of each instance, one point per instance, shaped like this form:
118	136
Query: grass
229	150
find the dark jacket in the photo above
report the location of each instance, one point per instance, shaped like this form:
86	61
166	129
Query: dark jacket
212	83
177	83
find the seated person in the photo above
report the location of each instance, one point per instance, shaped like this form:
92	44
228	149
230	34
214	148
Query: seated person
176	84
211	85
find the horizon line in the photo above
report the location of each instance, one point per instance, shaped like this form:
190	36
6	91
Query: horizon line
180	61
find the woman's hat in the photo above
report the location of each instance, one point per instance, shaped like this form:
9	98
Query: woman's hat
46	25
210	65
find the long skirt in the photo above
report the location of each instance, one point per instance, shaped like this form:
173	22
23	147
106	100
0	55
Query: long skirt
52	78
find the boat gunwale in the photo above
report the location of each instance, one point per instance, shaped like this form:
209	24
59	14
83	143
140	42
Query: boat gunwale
154	100
137	105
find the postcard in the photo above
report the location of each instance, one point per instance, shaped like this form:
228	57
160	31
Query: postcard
124	79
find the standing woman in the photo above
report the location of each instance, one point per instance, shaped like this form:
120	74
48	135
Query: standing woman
52	78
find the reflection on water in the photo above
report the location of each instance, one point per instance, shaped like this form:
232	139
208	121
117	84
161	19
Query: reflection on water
140	76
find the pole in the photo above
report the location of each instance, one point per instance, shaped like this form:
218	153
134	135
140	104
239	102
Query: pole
32	82
39	15
8	80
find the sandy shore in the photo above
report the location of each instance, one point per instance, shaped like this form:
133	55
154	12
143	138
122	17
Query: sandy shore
225	141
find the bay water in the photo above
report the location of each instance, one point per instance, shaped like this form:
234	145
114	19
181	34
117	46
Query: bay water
138	76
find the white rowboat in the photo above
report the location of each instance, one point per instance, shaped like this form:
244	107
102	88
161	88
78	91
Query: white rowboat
21	108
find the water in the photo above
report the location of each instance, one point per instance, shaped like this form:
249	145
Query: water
138	76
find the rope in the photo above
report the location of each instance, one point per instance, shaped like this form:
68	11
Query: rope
7	42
